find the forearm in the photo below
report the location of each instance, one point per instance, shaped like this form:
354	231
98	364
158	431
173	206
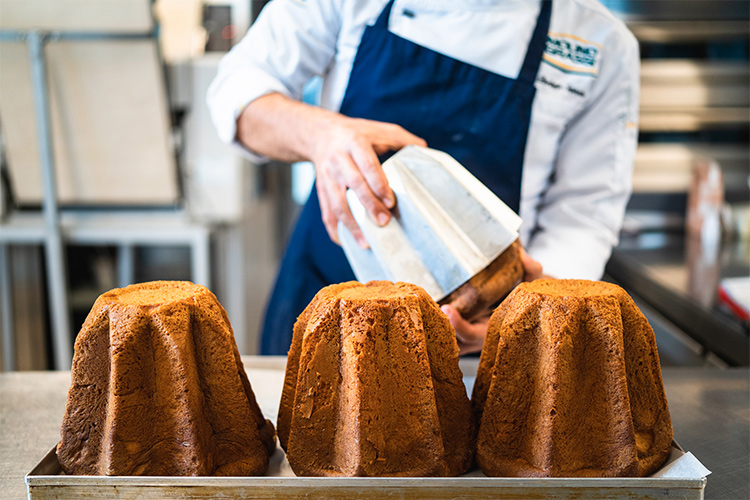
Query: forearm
344	151
281	128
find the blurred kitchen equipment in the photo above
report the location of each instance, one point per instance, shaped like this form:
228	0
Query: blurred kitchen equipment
86	125
449	234
217	21
694	103
703	229
705	202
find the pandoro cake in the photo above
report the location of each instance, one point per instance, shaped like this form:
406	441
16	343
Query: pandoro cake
158	388
373	387
569	384
483	292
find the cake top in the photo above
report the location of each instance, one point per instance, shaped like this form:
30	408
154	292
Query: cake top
378	290
571	288
154	293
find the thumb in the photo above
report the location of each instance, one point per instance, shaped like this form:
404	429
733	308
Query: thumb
457	321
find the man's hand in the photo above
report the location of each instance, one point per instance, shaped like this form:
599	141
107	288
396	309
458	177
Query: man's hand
347	157
470	335
344	151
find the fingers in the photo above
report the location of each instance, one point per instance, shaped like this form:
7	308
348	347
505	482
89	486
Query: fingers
353	175
379	138
464	330
469	335
334	209
333	179
394	137
365	158
532	268
348	158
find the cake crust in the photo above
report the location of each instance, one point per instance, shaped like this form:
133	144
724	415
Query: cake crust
158	388
569	384
373	388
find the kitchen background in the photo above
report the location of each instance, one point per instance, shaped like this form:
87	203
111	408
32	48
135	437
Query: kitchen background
111	172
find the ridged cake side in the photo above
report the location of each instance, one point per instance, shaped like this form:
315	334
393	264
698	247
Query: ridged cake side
158	388
569	384
373	387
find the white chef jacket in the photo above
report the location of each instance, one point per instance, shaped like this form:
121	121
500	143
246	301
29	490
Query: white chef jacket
577	172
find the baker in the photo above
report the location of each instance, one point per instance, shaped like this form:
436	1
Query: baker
537	99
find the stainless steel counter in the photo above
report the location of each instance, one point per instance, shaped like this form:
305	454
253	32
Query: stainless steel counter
680	279
710	411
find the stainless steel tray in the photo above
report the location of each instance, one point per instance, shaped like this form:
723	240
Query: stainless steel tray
46	481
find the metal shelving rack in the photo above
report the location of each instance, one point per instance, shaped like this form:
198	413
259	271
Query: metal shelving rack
53	231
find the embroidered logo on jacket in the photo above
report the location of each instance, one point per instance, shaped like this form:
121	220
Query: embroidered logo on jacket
572	54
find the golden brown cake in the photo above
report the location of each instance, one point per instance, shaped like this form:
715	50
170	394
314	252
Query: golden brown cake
373	388
158	388
569	384
483	292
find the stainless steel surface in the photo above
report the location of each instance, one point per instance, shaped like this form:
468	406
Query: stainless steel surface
280	483
679	279
710	413
676	348
31	411
446	227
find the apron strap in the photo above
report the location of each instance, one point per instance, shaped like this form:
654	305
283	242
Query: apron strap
384	17
537	45
534	52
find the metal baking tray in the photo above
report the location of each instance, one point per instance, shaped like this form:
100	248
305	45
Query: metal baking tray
46	481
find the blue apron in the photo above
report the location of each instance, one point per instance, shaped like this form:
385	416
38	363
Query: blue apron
478	117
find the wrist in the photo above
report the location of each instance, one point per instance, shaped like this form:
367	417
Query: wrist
282	128
320	131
